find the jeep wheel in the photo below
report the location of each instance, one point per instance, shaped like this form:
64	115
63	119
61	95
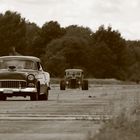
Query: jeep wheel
34	97
62	85
85	85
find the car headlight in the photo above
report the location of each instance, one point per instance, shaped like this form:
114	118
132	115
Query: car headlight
67	82
79	82
31	77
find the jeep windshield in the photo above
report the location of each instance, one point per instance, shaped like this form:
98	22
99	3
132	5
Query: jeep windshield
18	64
73	74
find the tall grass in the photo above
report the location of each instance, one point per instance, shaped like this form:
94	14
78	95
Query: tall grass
120	128
125	125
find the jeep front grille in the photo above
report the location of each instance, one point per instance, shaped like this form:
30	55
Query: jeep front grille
13	84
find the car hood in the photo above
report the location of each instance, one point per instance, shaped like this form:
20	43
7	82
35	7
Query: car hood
16	75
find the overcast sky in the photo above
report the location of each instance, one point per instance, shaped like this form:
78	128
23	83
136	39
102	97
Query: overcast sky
122	15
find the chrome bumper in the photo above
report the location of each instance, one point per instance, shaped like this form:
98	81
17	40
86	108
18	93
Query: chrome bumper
17	90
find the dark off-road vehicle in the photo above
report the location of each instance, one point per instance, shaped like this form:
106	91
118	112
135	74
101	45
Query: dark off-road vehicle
73	79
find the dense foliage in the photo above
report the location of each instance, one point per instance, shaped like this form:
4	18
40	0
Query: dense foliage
101	54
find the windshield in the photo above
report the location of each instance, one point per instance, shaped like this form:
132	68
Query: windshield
19	64
73	73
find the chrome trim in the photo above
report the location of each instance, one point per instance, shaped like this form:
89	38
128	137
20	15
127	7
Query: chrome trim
25	90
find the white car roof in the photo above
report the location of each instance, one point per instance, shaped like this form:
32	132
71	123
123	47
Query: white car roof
33	58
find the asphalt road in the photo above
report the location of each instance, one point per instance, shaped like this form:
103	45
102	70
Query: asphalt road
67	115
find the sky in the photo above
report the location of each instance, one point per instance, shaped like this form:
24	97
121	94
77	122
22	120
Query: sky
122	15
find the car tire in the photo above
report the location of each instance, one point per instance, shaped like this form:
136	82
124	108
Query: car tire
34	97
43	97
62	85
85	85
3	98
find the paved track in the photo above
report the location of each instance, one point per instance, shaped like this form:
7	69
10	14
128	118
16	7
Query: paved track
69	114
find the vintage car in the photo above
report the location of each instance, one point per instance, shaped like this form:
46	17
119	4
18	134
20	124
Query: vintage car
23	76
74	78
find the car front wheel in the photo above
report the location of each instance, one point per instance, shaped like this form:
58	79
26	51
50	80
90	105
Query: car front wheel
43	97
3	98
34	97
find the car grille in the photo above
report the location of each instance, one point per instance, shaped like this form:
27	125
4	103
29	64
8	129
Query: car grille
13	84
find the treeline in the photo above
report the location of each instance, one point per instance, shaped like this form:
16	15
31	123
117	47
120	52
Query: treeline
101	54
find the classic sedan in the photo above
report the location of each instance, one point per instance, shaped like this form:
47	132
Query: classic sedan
23	76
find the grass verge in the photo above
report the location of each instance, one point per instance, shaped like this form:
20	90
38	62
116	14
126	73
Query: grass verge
120	128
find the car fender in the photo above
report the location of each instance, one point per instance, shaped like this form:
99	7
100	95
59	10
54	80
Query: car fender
43	78
47	78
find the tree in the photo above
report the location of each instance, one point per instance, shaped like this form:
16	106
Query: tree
80	31
34	42
56	65
51	30
73	51
133	62
110	45
76	51
102	61
12	32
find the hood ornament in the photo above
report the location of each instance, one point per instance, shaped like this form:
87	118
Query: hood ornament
12	68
